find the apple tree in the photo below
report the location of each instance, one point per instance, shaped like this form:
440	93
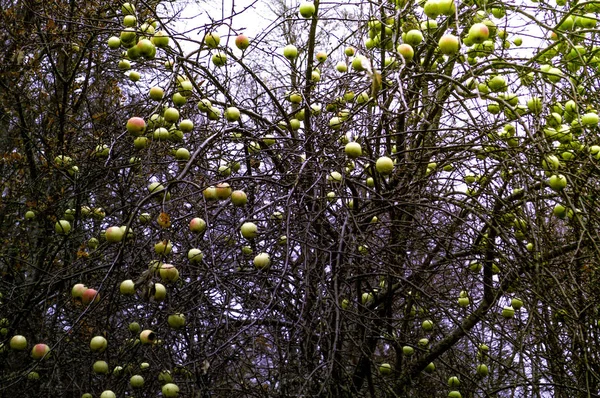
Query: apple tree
308	198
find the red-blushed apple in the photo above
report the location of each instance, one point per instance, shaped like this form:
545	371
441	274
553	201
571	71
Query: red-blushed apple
168	273
479	32
88	296
98	344
223	191
170	390
321	56
136	126
197	225
147	337
242	42
195	255
262	261
77	291
210	193
384	165
114	234
449	44
239	198
406	51
39	351
18	343
249	230
127	287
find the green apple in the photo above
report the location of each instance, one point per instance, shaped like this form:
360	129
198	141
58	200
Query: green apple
384	165
262	261
508	312
516	303
219	59
171	115
62	227
341	67
176	321
168	273
413	37
18	343
249	230
427	325
482	370
136	381
212	40
232	114
385	369
557	182
170	390
156	93
290	52
100	367
98	344
127	287
114	43
195	255
307	9
408	350
353	150
430	368
453	382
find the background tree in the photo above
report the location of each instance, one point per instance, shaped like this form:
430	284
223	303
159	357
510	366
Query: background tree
363	199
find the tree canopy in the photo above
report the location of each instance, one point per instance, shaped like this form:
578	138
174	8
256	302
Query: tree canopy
345	199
